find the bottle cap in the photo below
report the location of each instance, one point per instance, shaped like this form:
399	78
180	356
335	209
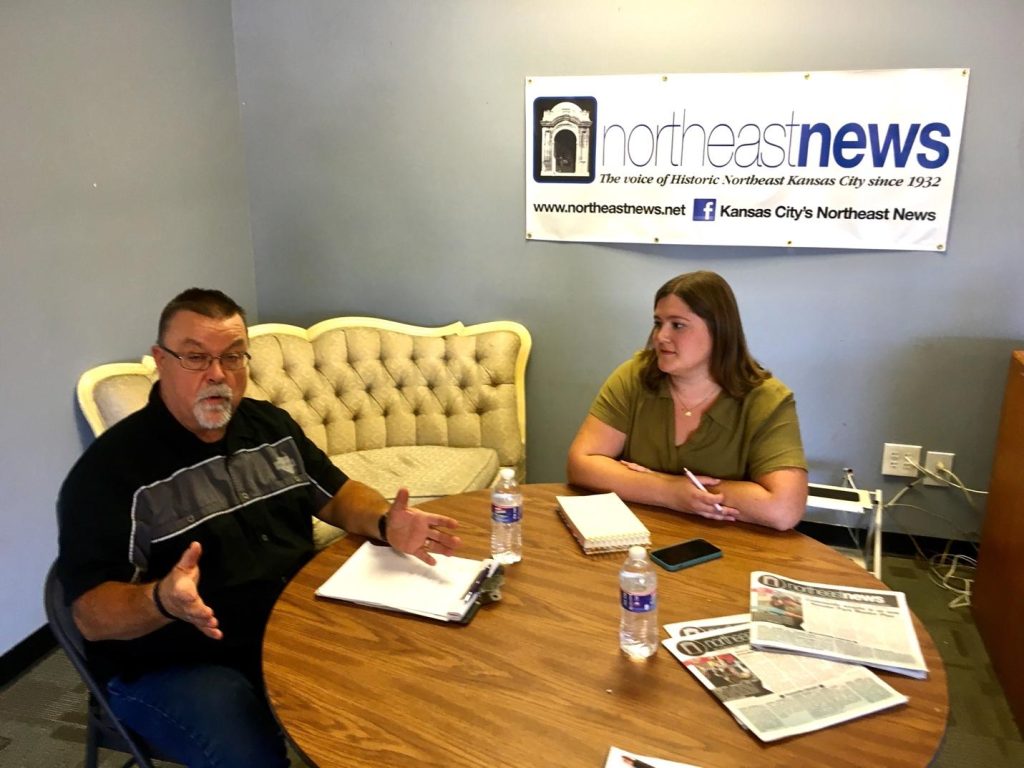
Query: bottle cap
507	473
636	552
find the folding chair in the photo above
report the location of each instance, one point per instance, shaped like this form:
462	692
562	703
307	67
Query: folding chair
103	728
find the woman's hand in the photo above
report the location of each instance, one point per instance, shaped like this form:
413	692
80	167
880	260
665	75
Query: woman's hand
702	501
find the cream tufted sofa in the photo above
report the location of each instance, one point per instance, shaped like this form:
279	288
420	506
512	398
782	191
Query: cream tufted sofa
436	410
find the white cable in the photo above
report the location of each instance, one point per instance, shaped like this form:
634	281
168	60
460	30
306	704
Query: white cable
963	591
956	481
948	580
928	472
952	525
959	484
848	480
902	491
853	537
946	481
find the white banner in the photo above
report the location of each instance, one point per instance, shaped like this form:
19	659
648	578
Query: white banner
803	159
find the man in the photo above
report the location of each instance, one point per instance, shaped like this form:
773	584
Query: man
179	527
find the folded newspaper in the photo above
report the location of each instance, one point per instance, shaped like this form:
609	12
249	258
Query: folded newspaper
851	624
776	695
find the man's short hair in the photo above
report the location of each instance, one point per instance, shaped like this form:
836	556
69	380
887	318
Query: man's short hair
207	302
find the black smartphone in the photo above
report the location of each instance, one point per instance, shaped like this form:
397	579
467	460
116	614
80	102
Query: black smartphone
686	553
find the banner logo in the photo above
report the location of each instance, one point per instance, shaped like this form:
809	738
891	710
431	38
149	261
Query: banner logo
564	151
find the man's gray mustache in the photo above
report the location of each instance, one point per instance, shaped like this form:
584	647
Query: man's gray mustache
215	390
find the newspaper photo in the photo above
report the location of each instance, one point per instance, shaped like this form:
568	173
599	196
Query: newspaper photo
776	695
852	624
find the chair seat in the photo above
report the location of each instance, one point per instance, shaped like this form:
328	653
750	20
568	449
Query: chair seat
428	471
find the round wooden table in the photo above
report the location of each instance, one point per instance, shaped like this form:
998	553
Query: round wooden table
537	679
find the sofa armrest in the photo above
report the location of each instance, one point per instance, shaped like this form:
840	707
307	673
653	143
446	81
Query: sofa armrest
108	393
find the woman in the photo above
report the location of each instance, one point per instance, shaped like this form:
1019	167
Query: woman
695	399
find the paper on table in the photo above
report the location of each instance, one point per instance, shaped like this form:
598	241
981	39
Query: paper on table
616	755
382	577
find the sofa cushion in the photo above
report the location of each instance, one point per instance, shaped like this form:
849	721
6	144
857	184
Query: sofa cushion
426	470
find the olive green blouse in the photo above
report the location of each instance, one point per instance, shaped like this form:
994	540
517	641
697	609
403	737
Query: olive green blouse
736	439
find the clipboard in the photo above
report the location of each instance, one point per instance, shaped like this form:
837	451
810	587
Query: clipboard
378	576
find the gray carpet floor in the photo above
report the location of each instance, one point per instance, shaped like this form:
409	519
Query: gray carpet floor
42	713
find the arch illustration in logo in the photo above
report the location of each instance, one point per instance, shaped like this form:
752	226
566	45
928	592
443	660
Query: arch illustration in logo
563	139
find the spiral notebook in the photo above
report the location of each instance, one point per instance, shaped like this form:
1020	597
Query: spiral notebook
602	522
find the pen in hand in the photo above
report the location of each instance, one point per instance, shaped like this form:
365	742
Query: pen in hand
699	484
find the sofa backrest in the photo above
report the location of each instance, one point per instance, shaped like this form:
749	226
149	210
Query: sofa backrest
356	383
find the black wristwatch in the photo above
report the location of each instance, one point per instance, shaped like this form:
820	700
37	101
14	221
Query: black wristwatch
382	527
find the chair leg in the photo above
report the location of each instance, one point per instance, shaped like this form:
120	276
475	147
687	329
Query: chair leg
91	743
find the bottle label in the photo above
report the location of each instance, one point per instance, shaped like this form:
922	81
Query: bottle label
503	514
639	603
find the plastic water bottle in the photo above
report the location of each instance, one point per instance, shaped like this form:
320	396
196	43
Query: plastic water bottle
638	588
507	518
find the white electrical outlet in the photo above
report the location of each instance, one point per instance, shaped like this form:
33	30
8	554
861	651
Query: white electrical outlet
932	459
894	459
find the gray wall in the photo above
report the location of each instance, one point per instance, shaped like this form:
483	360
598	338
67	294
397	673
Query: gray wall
384	144
123	182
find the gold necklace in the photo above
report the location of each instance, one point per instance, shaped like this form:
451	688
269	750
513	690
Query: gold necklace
689	409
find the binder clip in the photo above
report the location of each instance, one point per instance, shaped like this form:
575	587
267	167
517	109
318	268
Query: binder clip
490	590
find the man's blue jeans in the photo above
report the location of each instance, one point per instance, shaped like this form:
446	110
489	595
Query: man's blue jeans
205	716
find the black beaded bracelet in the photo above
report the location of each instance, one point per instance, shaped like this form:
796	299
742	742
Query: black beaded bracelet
160	604
382	527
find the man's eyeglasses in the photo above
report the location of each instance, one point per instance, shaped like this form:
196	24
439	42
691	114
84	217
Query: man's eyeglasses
200	361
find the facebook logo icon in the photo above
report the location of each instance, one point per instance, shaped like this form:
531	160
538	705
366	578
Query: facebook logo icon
704	208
